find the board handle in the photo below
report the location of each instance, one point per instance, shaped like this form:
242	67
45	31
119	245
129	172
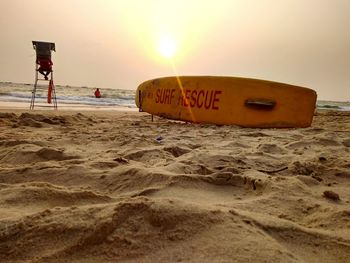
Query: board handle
260	104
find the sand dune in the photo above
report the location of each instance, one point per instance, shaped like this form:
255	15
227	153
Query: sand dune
116	187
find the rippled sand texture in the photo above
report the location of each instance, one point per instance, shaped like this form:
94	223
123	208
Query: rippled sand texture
116	187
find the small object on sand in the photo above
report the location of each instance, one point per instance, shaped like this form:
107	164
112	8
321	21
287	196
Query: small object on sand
121	160
322	159
331	195
159	139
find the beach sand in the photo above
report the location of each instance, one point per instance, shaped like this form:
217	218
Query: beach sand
117	187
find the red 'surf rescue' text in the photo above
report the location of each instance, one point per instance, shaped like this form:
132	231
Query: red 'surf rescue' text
190	98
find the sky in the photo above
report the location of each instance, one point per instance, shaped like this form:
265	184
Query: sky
121	43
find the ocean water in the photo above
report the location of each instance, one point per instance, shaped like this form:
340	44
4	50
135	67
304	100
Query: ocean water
68	96
84	97
333	105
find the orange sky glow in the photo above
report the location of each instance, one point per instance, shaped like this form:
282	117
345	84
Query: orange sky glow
119	43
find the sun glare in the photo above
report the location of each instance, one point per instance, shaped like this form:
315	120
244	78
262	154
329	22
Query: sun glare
167	47
170	30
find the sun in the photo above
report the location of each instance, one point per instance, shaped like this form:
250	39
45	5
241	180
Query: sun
167	47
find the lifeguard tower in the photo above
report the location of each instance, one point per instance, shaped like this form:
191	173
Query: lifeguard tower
43	66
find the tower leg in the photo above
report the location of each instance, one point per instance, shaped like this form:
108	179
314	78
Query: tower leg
34	89
53	92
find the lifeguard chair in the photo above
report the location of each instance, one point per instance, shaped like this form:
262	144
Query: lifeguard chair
43	65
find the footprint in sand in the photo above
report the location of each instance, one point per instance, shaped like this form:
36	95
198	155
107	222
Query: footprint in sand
271	148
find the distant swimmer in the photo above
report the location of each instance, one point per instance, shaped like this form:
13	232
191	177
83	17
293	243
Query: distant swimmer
97	93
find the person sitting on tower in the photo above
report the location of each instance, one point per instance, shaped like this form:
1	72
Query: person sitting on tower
45	66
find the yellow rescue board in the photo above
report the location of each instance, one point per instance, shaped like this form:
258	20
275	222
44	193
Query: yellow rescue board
228	100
